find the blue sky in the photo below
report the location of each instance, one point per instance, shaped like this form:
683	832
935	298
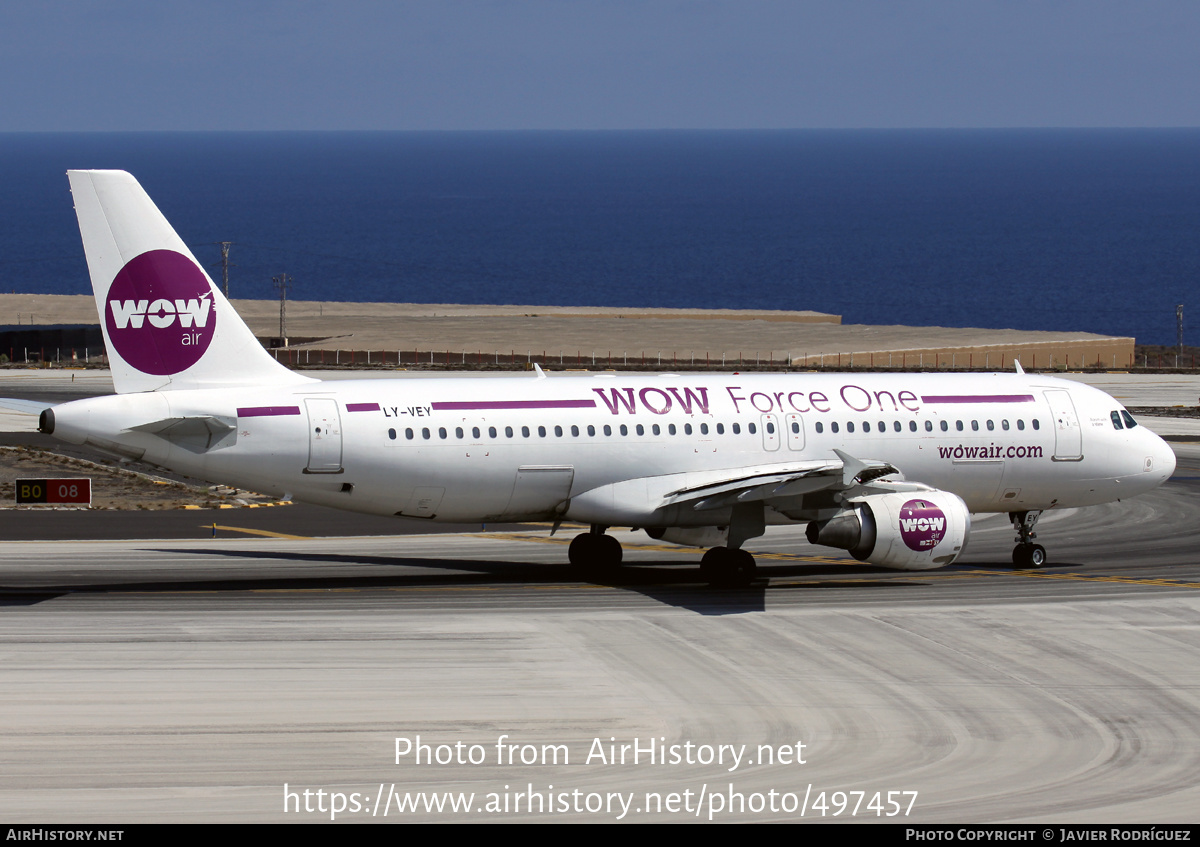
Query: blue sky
71	65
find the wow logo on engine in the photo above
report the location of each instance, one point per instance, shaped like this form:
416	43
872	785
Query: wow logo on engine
922	525
160	315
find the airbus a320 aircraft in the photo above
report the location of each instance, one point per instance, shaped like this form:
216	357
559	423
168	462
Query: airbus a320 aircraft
706	460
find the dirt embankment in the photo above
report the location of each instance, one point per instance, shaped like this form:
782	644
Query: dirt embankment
113	487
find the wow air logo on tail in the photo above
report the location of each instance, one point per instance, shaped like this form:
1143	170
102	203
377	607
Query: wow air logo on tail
160	314
922	525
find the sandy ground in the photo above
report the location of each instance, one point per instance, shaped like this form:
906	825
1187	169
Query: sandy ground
479	334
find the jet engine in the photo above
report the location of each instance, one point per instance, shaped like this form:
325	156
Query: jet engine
904	530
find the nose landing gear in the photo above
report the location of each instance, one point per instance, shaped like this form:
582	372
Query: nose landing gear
1027	554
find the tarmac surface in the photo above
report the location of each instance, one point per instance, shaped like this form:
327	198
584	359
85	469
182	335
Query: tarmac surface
219	679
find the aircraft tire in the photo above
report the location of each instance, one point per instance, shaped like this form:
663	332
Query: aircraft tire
582	550
721	567
597	553
608	552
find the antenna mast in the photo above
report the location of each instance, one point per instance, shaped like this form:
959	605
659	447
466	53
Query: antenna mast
282	283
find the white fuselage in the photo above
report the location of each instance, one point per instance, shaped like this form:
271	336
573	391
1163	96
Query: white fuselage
487	448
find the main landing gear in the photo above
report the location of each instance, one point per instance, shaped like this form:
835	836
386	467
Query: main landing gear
723	567
599	554
731	566
595	551
1027	554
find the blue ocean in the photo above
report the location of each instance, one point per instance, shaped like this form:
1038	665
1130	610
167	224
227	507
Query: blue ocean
1092	230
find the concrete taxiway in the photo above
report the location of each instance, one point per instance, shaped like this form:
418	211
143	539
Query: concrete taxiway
192	680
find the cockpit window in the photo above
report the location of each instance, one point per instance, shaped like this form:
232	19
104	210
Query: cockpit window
1116	419
1130	423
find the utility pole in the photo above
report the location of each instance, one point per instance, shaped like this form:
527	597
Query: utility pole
1179	327
282	283
225	245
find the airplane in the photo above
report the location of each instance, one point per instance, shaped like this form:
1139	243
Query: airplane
889	467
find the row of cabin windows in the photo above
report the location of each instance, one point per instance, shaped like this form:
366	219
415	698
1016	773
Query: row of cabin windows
623	429
959	426
671	429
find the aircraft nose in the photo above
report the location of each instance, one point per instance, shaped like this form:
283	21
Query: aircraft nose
1164	460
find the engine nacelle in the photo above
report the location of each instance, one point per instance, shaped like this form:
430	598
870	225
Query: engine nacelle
908	531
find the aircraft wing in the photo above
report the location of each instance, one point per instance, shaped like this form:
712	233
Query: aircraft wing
776	483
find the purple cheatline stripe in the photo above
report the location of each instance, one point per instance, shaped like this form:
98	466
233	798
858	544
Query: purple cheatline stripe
977	398
362	407
479	405
267	411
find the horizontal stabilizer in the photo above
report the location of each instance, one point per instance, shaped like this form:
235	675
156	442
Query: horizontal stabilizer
28	407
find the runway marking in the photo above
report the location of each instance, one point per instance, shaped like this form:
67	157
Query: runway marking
262	532
415	589
1124	580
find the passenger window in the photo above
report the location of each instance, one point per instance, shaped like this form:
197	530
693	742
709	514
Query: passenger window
425	432
1004	424
408	433
525	431
991	426
1020	424
474	432
896	426
641	430
928	426
441	432
751	428
720	429
508	431
820	427
796	427
558	432
656	429
491	432
1130	423
541	432
833	427
974	426
624	430
704	429
946	426
737	429
1036	424
670	429
574	431
866	426
850	426
687	429
458	432
607	429
958	425
392	434
591	430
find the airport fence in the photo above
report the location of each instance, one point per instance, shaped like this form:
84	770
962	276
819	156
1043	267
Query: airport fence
965	360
